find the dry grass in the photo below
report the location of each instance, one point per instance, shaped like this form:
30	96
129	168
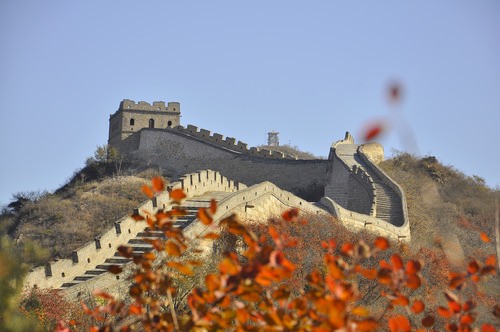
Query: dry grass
448	210
64	222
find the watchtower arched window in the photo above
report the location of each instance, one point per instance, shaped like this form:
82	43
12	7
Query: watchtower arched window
169	123
132	122
151	123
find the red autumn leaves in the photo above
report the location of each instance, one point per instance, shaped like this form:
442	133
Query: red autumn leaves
251	289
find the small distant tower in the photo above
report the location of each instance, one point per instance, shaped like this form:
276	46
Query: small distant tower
272	138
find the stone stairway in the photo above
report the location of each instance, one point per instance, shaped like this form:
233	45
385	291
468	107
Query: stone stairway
139	245
389	206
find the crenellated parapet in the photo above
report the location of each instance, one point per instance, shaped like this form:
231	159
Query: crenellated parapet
58	272
256	203
131	117
55	273
157	106
198	183
359	221
398	195
231	143
367	182
357	184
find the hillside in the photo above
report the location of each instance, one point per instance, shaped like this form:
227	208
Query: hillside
91	201
447	212
445	206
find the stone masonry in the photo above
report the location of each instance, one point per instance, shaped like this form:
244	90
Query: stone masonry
348	185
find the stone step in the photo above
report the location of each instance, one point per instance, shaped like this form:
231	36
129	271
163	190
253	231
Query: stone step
151	234
106	266
95	272
69	284
114	260
136	241
83	278
139	245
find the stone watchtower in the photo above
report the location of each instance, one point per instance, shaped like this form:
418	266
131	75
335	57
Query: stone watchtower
272	138
132	117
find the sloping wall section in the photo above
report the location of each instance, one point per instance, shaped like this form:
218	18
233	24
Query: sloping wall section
56	273
349	176
258	203
178	151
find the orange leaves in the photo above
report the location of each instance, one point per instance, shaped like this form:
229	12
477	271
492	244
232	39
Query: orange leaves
456	280
291	215
158	184
484	237
413	281
466	320
213	206
135	309
347	249
230	265
384	276
211	236
369	324
372	132
401	300
454	306
204	216
147	191
397	262
473	267
182	268
491	260
381	243
360	311
173	249
212	282
278	269
259	287
399	324
417	306
488	328
367	273
125	251
475	271
413	267
137	217
177	195
374	129
443	312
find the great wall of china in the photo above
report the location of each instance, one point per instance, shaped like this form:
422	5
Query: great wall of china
254	183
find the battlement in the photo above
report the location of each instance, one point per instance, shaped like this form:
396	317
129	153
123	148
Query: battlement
230	143
132	117
158	106
57	272
367	182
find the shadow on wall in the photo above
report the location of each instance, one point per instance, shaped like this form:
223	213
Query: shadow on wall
312	193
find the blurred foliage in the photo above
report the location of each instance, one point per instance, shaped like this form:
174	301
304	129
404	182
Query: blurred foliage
448	211
256	286
13	268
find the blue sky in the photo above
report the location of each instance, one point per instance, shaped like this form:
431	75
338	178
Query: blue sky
308	69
